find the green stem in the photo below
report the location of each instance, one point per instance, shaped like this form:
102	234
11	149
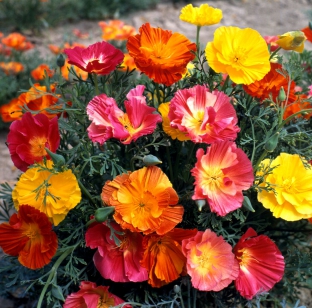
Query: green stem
194	298
86	192
275	52
260	160
170	164
156	104
188	293
197	38
96	84
292	116
226	81
52	273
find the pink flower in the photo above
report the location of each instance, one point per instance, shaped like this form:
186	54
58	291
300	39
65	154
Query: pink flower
261	264
108	121
310	91
91	296
221	175
210	261
100	58
28	138
206	117
271	40
119	262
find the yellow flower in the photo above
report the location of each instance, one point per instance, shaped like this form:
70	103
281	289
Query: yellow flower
293	40
174	133
189	69
241	53
204	15
292	183
54	194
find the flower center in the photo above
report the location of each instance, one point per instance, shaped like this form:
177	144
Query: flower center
204	260
125	122
288	184
239	56
32	232
213	178
105	302
38	145
244	257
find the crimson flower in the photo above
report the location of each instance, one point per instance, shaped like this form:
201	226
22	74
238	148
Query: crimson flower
100	58
108	121
28	138
261	264
118	261
92	296
29	236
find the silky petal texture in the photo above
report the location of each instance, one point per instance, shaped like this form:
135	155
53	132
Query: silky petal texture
92	296
163	257
29	136
241	53
100	58
221	175
29	236
210	261
144	201
108	121
174	133
291	181
271	84
293	40
161	54
205	117
120	263
261	264
204	15
63	192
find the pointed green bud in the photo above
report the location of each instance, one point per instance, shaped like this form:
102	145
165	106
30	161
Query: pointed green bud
176	289
200	204
247	204
271	144
103	213
60	60
57	293
151	160
58	160
281	94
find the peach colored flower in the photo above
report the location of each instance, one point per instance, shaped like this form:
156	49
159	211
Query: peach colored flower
17	41
116	30
12	68
39	72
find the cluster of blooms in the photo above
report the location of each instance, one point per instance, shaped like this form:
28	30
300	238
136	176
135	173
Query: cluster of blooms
136	233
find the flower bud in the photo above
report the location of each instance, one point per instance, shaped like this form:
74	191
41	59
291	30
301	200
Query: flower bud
60	60
103	213
200	204
176	289
58	160
151	160
247	204
293	40
271	143
281	94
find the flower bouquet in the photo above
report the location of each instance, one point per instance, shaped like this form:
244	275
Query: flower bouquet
175	175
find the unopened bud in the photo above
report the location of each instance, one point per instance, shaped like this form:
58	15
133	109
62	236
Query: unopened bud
200	204
281	94
103	213
176	289
58	160
151	160
247	204
271	143
60	60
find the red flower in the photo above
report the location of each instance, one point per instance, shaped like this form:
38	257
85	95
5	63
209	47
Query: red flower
100	58
91	296
261	264
29	236
271	40
28	138
308	33
161	54
163	257
119	262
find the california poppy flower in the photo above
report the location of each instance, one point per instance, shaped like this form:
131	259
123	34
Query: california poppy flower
241	53
161	54
308	33
163	257
210	261
261	264
271	40
39	72
92	296
29	236
116	30
65	71
128	63
17	41
271	84
117	261
144	201
203	115
12	110
293	40
109	121
12	68
301	103
100	58
28	138
221	175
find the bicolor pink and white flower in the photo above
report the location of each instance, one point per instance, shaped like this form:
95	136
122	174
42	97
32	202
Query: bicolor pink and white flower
109	121
206	116
221	175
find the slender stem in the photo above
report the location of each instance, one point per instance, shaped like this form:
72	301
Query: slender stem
275	52
226	81
156	103
188	293
197	38
194	298
170	164
86	192
294	115
96	84
260	159
53	272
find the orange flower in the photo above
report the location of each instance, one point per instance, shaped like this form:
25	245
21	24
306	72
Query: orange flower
65	71
29	236
300	104
55	49
163	257
39	72
308	33
144	201
13	110
271	84
17	41
11	68
116	30
161	54
59	49
128	63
